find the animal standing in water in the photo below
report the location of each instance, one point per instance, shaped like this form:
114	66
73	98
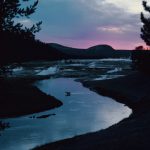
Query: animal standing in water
67	93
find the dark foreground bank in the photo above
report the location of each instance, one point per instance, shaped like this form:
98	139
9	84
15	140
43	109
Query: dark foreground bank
19	97
131	133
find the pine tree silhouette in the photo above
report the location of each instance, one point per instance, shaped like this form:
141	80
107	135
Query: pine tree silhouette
141	58
145	35
11	9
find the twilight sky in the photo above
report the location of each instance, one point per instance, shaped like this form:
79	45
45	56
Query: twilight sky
84	23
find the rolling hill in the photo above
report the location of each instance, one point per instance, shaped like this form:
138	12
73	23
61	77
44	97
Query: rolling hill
99	51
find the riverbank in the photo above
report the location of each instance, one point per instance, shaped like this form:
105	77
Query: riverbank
132	90
19	97
131	133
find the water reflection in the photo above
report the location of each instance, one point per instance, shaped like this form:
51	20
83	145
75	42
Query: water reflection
83	111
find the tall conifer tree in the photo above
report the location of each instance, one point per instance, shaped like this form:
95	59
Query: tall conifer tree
145	35
11	9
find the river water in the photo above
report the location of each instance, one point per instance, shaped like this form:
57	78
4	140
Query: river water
82	112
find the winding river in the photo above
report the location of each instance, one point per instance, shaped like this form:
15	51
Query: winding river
82	112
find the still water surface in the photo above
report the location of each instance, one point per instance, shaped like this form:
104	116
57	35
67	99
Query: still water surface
82	112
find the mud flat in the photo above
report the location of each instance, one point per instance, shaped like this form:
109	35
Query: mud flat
19	97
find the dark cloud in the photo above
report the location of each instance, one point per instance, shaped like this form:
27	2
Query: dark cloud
86	20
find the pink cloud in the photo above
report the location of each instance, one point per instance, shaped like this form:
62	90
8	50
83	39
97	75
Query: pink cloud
88	43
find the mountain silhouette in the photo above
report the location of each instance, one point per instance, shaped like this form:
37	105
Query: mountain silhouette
98	51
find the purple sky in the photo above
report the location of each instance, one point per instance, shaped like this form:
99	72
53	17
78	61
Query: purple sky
84	23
